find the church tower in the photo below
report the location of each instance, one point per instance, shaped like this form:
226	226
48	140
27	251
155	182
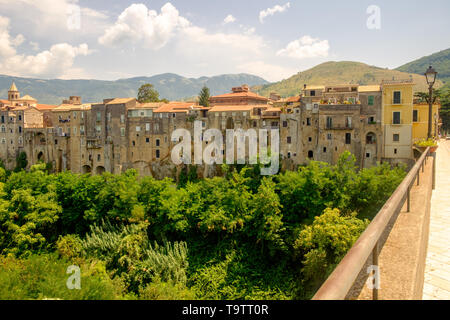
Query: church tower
13	93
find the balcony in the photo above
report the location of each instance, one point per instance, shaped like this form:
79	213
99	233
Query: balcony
340	127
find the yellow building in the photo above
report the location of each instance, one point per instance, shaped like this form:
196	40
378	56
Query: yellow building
397	116
420	121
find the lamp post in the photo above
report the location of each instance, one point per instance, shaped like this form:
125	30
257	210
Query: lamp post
430	75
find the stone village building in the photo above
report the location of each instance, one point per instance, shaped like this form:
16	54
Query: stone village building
117	134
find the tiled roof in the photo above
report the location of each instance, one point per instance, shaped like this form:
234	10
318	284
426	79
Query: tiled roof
121	100
175	107
244	107
70	107
293	99
247	94
45	106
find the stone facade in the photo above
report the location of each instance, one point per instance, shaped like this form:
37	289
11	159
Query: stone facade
121	133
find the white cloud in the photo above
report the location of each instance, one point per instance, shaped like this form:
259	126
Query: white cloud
306	47
139	24
265	70
229	19
55	62
271	11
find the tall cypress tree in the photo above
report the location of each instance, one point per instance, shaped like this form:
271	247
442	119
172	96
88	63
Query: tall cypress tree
203	97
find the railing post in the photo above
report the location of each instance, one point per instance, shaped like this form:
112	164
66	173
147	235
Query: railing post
408	200
434	170
375	263
423	166
418	177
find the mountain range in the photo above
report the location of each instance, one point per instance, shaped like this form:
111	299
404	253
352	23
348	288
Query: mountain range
175	87
170	86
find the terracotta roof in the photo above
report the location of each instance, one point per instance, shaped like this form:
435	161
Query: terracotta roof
4	101
231	108
175	107
248	94
69	107
273	109
121	100
45	106
293	99
148	105
369	88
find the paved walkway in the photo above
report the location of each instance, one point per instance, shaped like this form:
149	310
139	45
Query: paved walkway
437	270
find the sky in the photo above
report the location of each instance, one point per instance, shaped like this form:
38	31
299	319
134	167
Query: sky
274	39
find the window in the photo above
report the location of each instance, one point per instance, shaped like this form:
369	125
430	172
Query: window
348	122
3	140
370	100
254	124
108	115
157	154
309	139
20	117
81	129
156	127
157	142
99	116
3	128
20	129
396	117
324	149
99	157
367	154
371	120
20	140
82	115
147	127
74	114
415	115
134	143
138	128
98	129
122	118
396	137
284	124
329	122
74	130
147	140
122	132
3	119
308	121
310	154
274	124
395	151
329	136
348	138
397	97
289	139
313	93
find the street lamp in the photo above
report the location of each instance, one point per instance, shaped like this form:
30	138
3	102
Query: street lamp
430	74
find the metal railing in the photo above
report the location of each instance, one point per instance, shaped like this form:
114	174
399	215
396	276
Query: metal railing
341	280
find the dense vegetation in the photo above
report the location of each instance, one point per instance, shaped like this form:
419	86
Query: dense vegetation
439	60
443	97
240	236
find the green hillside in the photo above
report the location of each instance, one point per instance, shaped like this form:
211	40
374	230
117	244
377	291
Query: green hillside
342	72
440	61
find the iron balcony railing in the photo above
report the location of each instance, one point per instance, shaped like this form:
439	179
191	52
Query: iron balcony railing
341	280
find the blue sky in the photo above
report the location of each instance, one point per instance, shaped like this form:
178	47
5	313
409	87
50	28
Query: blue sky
270	38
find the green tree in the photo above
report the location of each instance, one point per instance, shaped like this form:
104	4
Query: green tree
147	93
203	97
21	161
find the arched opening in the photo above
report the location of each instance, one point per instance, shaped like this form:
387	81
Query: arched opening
40	157
86	169
310	154
371	138
99	170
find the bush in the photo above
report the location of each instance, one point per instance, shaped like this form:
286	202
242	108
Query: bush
45	277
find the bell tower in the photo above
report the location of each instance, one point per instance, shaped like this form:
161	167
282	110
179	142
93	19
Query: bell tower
13	93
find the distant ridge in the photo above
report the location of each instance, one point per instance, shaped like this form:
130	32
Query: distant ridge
439	60
169	85
343	72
